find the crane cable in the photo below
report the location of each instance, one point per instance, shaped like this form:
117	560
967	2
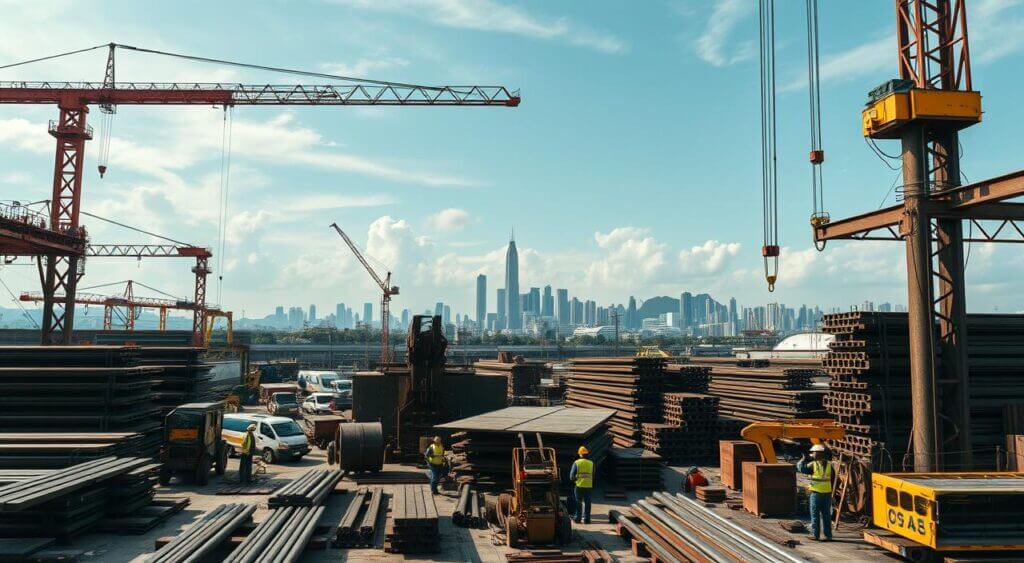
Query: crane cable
817	155
769	180
225	182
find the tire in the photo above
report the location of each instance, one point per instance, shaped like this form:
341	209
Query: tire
268	455
332	454
511	532
165	476
222	459
202	475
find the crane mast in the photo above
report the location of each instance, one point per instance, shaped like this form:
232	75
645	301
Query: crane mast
387	290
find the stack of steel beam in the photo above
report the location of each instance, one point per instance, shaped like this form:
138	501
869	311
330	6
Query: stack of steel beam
412	526
678	528
710	494
46	450
549	395
358	526
281	538
635	468
689	431
185	376
869	369
202	539
750	394
630	386
523	378
65	502
684	378
309	489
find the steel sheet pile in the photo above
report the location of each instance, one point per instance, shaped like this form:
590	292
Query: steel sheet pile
684	378
358	527
869	371
630	386
752	394
185	377
523	378
309	489
635	468
55	450
689	431
483	443
677	528
412	526
65	502
202	539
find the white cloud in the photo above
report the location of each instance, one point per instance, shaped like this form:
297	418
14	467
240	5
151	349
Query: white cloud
710	258
631	258
365	67
311	203
449	220
489	15
716	45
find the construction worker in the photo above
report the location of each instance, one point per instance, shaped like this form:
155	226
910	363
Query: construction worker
245	462
435	461
582	475
694	479
820	489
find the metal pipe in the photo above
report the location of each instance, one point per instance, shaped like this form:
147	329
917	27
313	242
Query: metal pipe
650	543
737	529
708	549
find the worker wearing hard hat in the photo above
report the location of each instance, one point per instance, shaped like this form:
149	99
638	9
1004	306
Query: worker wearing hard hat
245	461
435	462
582	475
820	500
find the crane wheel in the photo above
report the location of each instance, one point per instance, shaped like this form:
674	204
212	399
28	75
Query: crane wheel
511	532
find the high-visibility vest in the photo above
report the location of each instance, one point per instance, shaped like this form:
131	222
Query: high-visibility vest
584	473
821	477
247	443
435	454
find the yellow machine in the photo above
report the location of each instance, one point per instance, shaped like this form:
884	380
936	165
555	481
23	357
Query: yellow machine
533	512
814	429
978	511
651	352
897	103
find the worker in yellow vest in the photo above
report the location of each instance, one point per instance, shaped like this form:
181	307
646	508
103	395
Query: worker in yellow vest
435	461
245	462
820	490
582	476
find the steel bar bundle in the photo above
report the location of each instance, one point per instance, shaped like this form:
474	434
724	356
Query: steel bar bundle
55	450
635	468
68	501
523	378
199	541
412	526
677	528
358	527
310	489
869	370
468	510
281	538
630	386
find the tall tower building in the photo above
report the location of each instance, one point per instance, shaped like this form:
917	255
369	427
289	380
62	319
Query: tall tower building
513	311
481	302
632	320
312	313
686	309
368	314
562	307
502	304
547	308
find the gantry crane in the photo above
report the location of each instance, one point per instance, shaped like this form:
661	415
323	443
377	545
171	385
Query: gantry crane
925	108
62	238
387	290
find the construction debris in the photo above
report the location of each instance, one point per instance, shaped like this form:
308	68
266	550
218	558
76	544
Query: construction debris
412	525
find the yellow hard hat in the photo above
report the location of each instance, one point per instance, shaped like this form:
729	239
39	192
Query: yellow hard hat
583	450
251	427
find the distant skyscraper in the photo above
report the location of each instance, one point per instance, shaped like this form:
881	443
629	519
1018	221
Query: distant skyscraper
405	318
368	314
481	302
562	307
513	311
589	313
733	314
446	315
339	315
547	308
502	313
632	320
439	309
312	313
535	300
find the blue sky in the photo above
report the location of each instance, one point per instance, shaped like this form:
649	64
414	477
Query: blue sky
631	167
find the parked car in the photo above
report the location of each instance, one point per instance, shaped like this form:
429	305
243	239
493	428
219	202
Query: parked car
317	381
283	404
277	437
325	403
341	386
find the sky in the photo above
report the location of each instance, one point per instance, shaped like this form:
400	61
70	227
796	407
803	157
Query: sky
631	167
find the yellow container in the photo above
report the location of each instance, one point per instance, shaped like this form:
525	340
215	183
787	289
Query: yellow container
885	118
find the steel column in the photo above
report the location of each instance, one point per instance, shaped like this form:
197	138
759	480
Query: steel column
919	301
201	270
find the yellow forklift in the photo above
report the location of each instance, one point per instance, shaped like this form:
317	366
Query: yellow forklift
533	513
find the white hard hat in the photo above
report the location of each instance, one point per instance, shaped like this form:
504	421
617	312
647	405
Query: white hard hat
817	448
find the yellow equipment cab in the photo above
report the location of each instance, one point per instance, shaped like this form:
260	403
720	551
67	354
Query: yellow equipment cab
897	103
976	511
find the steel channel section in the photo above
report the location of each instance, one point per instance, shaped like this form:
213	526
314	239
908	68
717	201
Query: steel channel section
652	545
706	548
369	524
738	532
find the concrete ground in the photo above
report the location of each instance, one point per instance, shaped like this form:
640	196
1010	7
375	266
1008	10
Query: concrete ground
458	544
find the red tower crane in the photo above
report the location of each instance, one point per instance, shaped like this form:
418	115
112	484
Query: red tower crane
387	290
61	239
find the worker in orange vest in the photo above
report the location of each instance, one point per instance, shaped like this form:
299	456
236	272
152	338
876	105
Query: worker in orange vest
694	479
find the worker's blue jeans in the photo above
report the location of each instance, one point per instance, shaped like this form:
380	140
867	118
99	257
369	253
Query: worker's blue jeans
821	514
582	511
435	476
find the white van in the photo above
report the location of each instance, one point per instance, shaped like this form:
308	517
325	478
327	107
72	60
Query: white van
318	381
277	437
